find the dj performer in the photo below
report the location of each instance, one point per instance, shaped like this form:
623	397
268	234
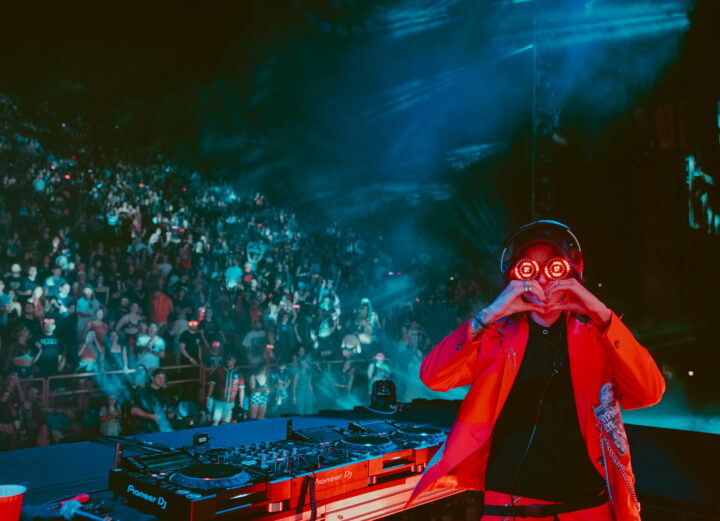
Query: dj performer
549	364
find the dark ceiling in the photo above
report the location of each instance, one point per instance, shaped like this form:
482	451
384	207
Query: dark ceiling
412	115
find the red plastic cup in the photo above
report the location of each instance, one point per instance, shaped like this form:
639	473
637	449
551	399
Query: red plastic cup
11	498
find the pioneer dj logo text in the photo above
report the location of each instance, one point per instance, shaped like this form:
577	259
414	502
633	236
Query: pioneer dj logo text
332	479
159	500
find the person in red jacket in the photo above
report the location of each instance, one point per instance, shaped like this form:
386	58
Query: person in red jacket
549	366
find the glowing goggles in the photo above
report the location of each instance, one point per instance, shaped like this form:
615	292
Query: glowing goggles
557	268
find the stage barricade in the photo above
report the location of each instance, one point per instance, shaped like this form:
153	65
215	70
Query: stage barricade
54	388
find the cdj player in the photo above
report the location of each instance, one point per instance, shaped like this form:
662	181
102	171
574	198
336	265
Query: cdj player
251	481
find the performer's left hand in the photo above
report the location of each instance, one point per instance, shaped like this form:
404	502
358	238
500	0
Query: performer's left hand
577	299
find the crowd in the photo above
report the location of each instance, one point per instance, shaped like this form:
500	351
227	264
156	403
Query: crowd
152	298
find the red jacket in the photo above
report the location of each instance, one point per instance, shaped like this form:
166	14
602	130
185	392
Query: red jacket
602	365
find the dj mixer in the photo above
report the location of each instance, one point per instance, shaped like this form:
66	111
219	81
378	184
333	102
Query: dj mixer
204	482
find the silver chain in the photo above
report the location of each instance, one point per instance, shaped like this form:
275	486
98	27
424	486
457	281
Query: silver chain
605	445
603	441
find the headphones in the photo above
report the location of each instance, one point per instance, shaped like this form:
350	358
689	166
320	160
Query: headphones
555	234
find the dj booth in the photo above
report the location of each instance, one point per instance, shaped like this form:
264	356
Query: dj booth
337	465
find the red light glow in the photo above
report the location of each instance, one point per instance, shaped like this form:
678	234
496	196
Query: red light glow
525	269
557	268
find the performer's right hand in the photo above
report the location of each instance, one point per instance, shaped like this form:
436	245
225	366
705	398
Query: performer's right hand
511	301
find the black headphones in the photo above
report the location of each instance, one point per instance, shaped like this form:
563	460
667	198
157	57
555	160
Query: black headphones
549	232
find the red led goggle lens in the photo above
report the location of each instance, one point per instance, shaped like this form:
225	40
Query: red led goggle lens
525	269
556	268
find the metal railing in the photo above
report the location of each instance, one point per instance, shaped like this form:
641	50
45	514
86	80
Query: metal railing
52	387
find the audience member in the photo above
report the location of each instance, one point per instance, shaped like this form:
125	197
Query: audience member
259	393
150	404
52	350
32	431
110	417
303	395
224	388
191	343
